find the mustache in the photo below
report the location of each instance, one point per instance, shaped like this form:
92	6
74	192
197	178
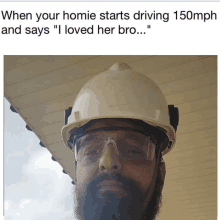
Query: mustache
129	185
126	182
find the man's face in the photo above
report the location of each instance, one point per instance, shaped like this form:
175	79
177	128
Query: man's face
110	186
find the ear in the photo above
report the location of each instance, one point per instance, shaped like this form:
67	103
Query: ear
75	170
162	168
163	173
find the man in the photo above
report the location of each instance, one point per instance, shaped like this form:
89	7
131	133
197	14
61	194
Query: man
119	129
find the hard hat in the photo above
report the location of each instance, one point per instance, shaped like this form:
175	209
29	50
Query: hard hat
121	93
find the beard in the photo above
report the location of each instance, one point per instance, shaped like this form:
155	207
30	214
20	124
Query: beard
92	204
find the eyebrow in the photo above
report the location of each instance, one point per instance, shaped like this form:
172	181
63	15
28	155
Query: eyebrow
91	136
88	137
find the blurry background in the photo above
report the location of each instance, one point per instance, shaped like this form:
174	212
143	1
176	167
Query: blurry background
34	186
40	88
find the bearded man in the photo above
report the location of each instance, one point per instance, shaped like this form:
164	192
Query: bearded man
120	127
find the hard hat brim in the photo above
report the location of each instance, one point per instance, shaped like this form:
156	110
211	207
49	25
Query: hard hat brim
170	132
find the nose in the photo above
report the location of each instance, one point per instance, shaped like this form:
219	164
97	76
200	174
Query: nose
109	161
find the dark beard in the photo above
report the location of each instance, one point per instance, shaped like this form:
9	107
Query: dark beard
131	207
154	205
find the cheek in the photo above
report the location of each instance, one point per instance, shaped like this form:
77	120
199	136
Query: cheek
142	175
84	173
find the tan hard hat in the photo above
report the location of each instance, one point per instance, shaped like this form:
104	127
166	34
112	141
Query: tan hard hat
120	93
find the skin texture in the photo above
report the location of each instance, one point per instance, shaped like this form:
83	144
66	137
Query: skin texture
138	196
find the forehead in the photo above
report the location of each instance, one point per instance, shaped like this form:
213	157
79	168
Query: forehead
108	123
114	134
94	130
